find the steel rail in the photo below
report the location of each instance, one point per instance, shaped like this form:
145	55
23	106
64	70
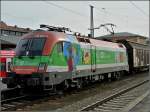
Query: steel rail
14	98
106	99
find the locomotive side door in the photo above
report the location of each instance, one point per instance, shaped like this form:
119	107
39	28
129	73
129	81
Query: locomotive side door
93	58
8	64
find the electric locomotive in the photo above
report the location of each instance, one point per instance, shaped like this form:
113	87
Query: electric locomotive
54	59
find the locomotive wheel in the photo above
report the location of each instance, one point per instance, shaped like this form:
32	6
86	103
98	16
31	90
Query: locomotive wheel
63	86
2	96
113	76
118	75
11	85
79	84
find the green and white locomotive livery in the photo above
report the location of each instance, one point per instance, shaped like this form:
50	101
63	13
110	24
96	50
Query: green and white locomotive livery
50	58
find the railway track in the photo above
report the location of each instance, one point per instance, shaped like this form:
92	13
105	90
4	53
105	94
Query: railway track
118	101
10	98
13	103
21	101
9	93
18	101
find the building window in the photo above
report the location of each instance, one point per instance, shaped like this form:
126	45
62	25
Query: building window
23	33
6	32
0	31
18	33
12	33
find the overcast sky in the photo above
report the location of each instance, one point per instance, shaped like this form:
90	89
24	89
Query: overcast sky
128	16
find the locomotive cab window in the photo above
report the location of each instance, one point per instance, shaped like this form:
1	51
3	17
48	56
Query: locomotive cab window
60	47
34	47
23	44
37	45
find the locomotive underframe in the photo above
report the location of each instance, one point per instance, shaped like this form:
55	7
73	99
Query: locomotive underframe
48	81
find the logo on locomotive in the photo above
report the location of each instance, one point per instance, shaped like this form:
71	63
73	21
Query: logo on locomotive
71	52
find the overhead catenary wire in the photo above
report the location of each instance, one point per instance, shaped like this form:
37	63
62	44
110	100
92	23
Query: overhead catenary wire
110	14
141	10
67	9
77	13
121	16
18	18
104	25
14	16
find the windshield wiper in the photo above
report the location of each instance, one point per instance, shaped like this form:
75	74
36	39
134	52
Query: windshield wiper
31	54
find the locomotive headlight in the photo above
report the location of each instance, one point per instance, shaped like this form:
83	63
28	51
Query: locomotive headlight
42	67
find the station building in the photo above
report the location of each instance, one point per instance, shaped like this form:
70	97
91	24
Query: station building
125	36
9	35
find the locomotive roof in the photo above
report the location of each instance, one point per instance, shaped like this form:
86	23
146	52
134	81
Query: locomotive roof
61	36
106	44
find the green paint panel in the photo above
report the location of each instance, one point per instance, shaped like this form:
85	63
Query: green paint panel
105	57
57	58
28	61
83	56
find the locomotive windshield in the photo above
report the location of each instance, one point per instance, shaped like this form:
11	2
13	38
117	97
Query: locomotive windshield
30	47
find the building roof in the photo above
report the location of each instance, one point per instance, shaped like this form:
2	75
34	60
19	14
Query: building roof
121	34
4	26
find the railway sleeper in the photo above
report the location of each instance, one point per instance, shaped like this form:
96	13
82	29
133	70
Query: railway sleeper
100	110
125	98
113	105
17	103
3	108
118	104
118	101
8	107
108	108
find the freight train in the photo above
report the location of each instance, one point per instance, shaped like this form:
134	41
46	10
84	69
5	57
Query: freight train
138	55
53	59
